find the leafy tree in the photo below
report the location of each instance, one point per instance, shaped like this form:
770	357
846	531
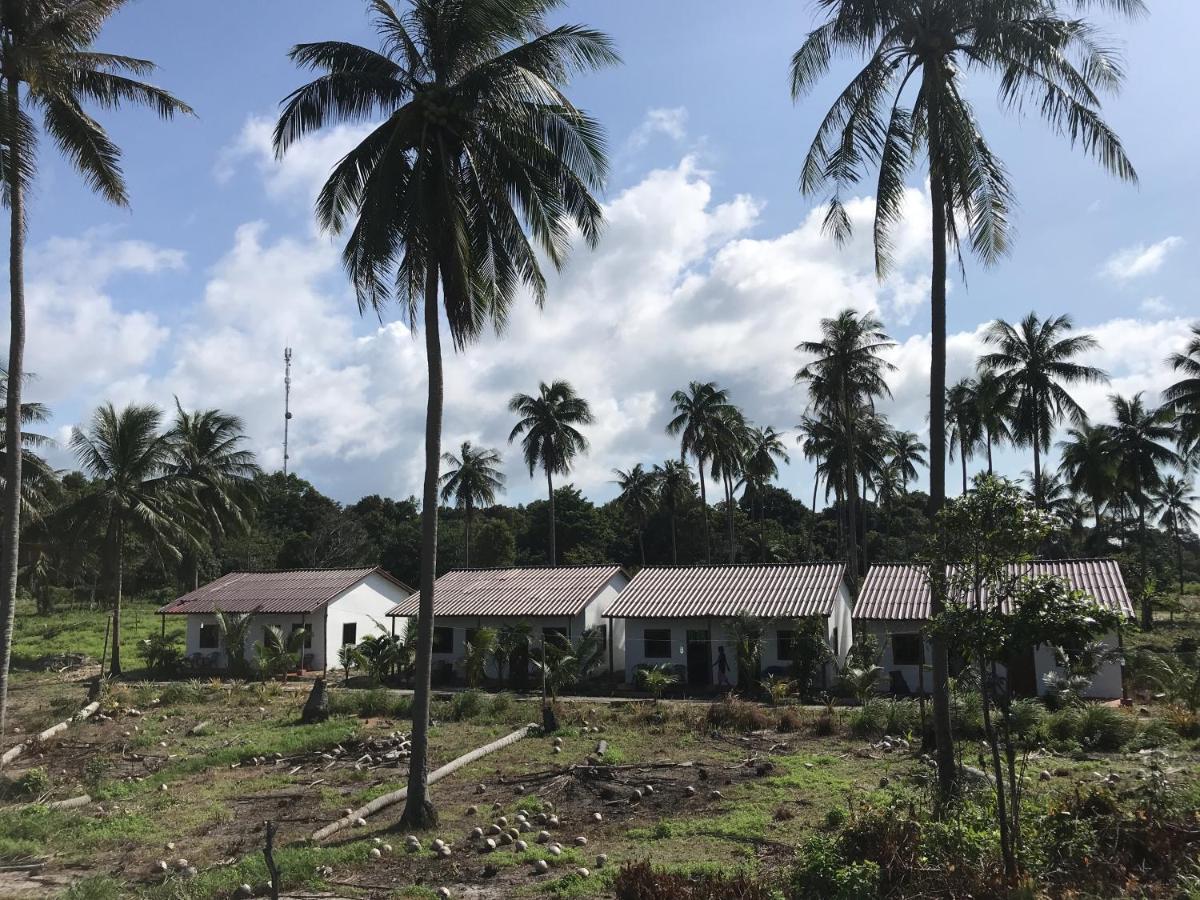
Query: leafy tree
844	378
549	436
728	444
697	414
993	406
1036	360
675	489
964	423
471	481
810	653
905	452
1088	463
747	633
48	65
495	544
639	497
764	450
138	494
208	456
1184	394
1176	506
910	101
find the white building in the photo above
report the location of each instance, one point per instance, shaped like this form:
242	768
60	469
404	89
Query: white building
894	606
677	615
567	600
336	607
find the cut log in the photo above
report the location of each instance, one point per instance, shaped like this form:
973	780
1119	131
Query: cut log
13	752
437	775
198	728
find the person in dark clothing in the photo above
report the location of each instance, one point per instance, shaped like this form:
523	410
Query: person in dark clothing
722	667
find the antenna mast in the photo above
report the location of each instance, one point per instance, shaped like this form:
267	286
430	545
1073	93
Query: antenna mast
287	403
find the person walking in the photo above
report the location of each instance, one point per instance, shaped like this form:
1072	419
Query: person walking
722	667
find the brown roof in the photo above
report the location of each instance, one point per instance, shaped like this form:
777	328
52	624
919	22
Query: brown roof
900	590
297	591
559	591
769	591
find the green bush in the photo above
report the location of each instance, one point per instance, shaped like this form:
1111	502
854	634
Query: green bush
869	720
1104	728
903	717
467	705
369	704
33	783
823	874
162	653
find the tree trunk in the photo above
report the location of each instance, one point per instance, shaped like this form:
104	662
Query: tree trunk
1037	472
418	811
674	549
963	457
550	490
989	450
852	571
704	510
467	538
729	519
1147	605
11	536
937	455
642	548
119	562
989	730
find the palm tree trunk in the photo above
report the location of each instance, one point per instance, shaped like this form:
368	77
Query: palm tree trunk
963	454
704	510
642	548
937	453
989	450
852	570
119	574
550	490
1147	605
11	536
418	811
729	519
674	549
1037	472
467	538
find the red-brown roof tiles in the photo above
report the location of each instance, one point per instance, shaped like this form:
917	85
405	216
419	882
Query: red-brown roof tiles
558	591
900	590
769	591
297	591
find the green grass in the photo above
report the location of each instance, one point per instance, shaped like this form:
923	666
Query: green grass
82	631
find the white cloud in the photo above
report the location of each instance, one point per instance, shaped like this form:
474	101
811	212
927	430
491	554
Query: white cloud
1156	307
669	122
1140	259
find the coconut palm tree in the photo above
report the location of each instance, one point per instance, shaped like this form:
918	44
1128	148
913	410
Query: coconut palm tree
1141	437
904	452
551	439
728	440
208	457
675	488
963	422
471	480
846	376
49	67
696	415
1177	512
1088	463
908	102
39	481
137	492
993	406
235	629
475	155
763	453
639	498
512	646
1184	394
1037	362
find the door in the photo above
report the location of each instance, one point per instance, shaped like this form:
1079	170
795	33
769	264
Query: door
699	661
1022	677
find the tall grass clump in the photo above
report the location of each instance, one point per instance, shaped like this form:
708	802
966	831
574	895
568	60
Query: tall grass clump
734	714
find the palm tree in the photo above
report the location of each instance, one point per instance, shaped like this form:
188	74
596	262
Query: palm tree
208	457
639	498
964	423
39	481
993	406
1036	361
747	632
1177	511
1184	394
726	451
844	379
697	413
1088	463
764	450
48	65
472	479
478	151
674	489
234	629
551	439
1140	436
904	453
137	492
924	51
512	646
480	647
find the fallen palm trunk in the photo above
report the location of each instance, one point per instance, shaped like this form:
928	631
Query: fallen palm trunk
437	775
13	752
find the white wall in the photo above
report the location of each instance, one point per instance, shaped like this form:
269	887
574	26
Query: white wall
255	636
366	604
1105	686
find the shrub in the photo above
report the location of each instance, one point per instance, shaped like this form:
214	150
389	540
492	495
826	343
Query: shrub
369	704
835	818
467	705
869	720
823	874
162	653
1104	728
641	881
1183	721
734	714
95	772
32	783
902	717
789	721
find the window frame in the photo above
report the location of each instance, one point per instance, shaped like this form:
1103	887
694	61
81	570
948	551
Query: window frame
353	642
667	641
785	638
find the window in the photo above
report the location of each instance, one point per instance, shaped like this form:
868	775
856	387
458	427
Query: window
350	633
602	631
785	641
208	635
657	643
906	649
443	640
307	629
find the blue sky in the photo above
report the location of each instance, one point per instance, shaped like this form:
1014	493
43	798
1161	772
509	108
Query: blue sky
713	266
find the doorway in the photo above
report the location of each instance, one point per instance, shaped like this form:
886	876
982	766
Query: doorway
1022	675
699	659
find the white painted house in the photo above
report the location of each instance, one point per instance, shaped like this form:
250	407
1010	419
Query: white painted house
893	605
563	599
676	615
336	607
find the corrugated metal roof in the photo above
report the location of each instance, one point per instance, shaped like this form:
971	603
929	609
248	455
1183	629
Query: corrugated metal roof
296	591
900	590
559	591
769	591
